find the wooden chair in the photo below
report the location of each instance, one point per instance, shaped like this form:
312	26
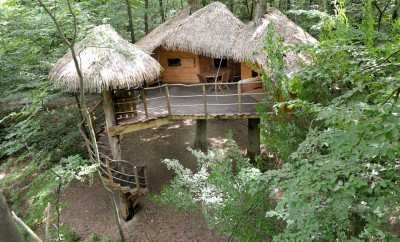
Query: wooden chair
201	78
226	76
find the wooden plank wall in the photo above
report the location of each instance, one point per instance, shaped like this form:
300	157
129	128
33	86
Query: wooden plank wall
186	73
246	73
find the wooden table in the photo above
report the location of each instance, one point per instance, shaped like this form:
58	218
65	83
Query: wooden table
211	75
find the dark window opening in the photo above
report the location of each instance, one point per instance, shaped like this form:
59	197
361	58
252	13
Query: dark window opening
224	63
254	74
174	62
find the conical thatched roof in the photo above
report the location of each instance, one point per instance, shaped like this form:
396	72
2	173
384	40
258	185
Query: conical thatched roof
215	32
251	40
210	31
106	60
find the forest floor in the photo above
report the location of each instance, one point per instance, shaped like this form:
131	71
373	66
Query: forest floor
88	207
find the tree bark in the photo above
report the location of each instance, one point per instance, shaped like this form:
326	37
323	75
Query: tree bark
194	5
146	16
200	141
396	10
259	9
162	14
253	134
8	229
110	121
130	18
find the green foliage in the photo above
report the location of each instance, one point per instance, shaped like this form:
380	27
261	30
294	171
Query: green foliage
341	183
336	128
233	199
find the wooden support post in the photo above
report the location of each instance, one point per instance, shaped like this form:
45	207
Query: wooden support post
111	121
146	112
253	148
136	173
205	100
168	100
119	197
200	141
239	91
134	106
146	185
108	164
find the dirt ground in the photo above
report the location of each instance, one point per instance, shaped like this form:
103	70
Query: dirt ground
88	207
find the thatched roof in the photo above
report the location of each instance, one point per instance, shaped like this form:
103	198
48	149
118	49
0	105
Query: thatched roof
215	32
250	43
106	61
210	31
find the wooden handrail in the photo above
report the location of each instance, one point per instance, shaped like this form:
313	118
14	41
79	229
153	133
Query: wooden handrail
200	84
155	107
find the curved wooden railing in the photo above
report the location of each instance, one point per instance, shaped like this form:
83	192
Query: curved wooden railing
194	99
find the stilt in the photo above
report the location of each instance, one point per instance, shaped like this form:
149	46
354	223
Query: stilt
253	148
200	141
120	198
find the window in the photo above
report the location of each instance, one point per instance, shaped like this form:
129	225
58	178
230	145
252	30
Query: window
224	63
254	74
174	62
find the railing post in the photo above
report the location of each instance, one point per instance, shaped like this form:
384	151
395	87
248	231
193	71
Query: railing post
168	100
145	176
135	171
239	91
146	113
108	164
205	99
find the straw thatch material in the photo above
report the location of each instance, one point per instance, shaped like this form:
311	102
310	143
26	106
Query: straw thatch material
106	61
210	31
214	31
250	43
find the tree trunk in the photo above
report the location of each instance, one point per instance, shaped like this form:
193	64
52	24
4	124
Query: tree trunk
146	16
8	229
110	121
194	5
130	18
162	14
259	9
200	141
253	134
396	11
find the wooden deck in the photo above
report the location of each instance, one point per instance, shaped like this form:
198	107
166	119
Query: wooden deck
164	104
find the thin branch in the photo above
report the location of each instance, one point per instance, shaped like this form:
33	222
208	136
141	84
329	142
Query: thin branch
74	20
58	26
26	227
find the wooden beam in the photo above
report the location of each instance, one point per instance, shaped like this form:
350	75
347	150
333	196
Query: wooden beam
157	122
253	148
132	127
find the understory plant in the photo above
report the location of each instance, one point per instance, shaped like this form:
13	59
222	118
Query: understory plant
228	190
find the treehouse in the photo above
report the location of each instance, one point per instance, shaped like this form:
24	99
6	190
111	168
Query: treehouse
201	65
